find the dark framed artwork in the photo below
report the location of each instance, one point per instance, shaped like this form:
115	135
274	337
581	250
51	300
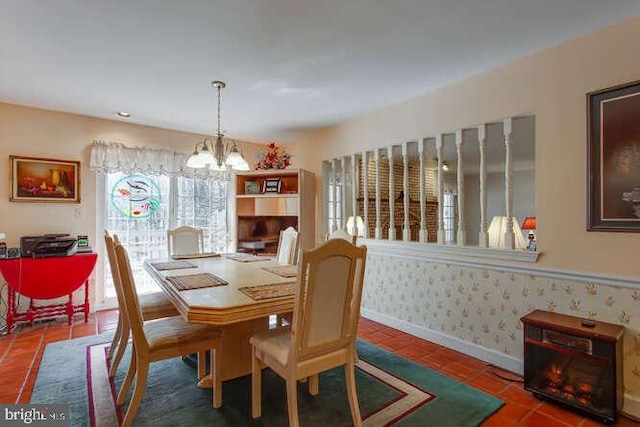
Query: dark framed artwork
272	185
613	131
44	180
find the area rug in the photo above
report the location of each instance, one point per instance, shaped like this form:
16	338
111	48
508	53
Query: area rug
391	391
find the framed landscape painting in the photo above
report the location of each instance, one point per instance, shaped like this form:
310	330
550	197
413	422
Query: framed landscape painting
44	180
614	159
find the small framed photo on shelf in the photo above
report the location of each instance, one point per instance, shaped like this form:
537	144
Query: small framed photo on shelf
272	185
251	187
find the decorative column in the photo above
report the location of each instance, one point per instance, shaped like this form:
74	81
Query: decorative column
376	157
343	193
422	234
365	192
354	193
392	202
406	230
334	191
441	235
509	238
462	226
483	237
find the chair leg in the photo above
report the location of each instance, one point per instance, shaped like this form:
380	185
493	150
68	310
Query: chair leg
122	346
131	372
292	402
350	376
256	386
116	338
138	391
314	384
215	369
202	364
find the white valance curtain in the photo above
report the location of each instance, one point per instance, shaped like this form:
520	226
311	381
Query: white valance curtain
109	157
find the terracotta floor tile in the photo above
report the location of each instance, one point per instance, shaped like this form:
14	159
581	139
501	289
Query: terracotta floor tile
537	419
460	371
487	382
516	393
437	359
411	352
509	415
555	411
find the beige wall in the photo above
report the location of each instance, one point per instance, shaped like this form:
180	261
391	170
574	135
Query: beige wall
41	133
552	84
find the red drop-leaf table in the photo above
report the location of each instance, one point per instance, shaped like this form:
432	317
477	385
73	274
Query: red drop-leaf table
47	278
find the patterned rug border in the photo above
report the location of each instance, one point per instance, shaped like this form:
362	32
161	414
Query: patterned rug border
411	397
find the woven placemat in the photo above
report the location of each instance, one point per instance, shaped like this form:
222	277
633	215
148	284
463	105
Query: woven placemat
171	265
274	290
283	270
194	256
195	281
246	257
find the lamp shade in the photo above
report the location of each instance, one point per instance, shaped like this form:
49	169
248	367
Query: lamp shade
355	226
529	223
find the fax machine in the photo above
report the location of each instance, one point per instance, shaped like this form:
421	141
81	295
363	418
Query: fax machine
48	245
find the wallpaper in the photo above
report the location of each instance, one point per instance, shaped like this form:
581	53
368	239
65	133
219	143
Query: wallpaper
484	306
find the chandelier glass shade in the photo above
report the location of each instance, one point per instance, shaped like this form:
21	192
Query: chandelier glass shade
217	155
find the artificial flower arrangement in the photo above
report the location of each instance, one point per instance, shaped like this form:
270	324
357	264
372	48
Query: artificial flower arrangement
273	157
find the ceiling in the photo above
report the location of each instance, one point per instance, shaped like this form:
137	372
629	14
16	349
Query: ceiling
290	65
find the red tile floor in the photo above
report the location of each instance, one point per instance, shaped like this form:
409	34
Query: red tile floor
21	352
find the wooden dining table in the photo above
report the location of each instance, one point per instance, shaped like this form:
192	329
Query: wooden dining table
226	306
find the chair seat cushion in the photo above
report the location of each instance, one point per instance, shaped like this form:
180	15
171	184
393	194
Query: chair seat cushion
172	332
274	343
156	306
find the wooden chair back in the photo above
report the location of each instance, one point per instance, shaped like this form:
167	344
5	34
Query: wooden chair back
130	296
327	302
288	246
110	246
185	240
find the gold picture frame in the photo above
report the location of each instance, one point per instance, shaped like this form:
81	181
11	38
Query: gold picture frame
35	179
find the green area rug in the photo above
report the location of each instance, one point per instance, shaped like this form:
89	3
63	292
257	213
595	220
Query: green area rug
391	391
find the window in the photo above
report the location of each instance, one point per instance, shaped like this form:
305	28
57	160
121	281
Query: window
449	218
141	208
334	206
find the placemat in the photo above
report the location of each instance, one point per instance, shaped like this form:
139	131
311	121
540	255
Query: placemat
171	265
246	257
283	270
195	281
273	290
193	256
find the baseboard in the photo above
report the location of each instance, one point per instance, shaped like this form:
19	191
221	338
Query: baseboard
492	357
631	407
631	404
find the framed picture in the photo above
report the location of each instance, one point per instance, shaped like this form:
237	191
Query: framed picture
251	187
272	185
44	180
614	159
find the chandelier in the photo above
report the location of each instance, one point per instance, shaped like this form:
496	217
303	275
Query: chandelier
218	155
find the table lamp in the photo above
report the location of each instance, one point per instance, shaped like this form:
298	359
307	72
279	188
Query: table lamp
529	223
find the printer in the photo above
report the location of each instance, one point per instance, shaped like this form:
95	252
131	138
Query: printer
48	245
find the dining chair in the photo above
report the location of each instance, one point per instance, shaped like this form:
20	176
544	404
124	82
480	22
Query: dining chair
185	240
342	234
153	306
287	246
159	340
323	332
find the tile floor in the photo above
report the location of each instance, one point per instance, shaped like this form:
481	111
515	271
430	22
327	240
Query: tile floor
21	352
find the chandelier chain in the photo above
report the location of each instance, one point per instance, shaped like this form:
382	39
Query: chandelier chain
218	110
